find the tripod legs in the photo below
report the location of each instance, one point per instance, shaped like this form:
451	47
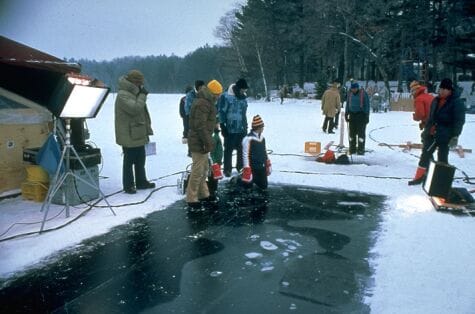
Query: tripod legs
59	180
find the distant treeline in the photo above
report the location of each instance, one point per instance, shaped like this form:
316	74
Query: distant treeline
272	43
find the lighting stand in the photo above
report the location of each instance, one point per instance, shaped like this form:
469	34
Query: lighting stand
65	177
342	129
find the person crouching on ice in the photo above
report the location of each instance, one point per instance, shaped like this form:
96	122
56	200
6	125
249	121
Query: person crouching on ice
256	165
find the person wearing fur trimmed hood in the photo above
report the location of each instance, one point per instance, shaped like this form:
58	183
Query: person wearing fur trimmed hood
256	164
232	107
202	121
132	130
443	127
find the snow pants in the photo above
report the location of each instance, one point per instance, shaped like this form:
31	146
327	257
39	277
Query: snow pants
197	187
328	124
428	149
357	132
233	141
134	161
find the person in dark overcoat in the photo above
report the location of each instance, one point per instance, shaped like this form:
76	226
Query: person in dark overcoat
442	129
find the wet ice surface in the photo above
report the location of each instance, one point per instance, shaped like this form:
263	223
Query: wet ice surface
295	249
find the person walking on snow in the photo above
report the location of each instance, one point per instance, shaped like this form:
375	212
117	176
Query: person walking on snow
257	165
202	122
443	127
132	130
233	122
357	115
330	106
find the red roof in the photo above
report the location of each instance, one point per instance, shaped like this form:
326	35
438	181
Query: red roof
14	53
31	73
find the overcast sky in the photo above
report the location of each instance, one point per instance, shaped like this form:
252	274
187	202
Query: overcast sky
105	29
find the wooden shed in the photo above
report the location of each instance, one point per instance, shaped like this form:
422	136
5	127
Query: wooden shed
28	78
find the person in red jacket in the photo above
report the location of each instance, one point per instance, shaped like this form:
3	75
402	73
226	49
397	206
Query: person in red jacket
442	129
422	102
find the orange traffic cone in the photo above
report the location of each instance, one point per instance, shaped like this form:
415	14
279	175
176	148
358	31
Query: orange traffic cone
419	176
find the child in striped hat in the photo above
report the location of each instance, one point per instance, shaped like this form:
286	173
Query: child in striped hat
256	164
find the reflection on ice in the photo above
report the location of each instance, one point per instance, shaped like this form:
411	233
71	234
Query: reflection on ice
266	245
253	255
216	273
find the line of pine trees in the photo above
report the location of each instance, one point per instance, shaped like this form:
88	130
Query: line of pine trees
277	42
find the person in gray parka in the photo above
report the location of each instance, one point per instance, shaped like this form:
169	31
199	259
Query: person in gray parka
132	130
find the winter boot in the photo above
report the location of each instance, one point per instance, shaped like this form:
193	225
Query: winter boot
419	176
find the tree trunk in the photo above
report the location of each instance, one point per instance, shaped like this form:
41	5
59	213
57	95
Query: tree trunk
345	54
264	82
242	64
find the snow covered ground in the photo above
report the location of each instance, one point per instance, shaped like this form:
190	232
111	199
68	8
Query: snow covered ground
423	259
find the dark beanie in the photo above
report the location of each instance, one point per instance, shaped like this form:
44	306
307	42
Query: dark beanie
241	84
198	84
446	84
355	85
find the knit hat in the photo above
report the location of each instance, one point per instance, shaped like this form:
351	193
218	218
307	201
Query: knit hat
136	77
447	84
215	87
198	84
241	84
257	122
414	85
355	85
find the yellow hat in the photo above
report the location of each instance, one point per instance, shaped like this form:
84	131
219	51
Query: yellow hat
215	87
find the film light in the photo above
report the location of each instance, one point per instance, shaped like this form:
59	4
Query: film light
77	97
439	179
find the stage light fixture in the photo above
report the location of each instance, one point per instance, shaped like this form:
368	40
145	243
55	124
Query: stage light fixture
77	97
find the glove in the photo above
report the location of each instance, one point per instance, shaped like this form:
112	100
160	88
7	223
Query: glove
224	131
143	90
246	175
347	117
184	140
453	141
367	119
268	167
216	169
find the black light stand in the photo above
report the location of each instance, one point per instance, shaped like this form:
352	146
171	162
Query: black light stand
64	177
